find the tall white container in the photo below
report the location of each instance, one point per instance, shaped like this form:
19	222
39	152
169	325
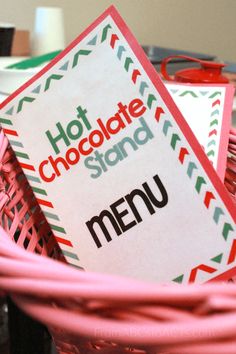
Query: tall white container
49	34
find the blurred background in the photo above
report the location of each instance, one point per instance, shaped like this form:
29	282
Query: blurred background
205	26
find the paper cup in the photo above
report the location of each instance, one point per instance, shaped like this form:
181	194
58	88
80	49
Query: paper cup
6	38
49	33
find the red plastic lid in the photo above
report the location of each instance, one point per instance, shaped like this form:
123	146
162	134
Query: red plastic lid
209	72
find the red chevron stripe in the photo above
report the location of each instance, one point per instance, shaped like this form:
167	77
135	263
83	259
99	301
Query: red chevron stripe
232	254
215	103
114	38
10	132
213	132
158	113
208	197
135	74
201	267
44	202
182	154
63	241
27	166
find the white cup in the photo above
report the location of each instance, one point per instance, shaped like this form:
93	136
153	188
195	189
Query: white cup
49	32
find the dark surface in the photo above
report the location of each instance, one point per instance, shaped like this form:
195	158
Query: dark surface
156	54
26	336
6	38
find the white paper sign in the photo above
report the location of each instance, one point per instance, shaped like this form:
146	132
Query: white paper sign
121	178
208	110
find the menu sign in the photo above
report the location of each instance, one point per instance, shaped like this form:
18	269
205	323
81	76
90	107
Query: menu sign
118	173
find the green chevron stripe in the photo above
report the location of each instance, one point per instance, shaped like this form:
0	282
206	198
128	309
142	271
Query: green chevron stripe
120	51
174	91
33	178
193	94
128	61
57	228
191	166
150	100
214	122
104	32
179	279
36	89
70	255
199	183
211	153
65	66
16	143
22	101
203	93
93	41
51	216
218	258
167	124
174	139
78	54
76	266
216	111
215	94
5	121
39	190
226	230
10	111
49	80
217	213
22	154
212	142
142	87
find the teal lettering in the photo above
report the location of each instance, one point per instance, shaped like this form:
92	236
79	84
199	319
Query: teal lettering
74	130
125	141
88	163
62	135
82	114
142	134
113	156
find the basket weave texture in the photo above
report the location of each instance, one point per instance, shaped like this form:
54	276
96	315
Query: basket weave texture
230	175
94	313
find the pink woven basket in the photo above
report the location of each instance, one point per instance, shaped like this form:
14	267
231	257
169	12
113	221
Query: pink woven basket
90	313
230	175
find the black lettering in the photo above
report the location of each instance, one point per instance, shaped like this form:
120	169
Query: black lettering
118	212
120	215
157	203
130	199
99	221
